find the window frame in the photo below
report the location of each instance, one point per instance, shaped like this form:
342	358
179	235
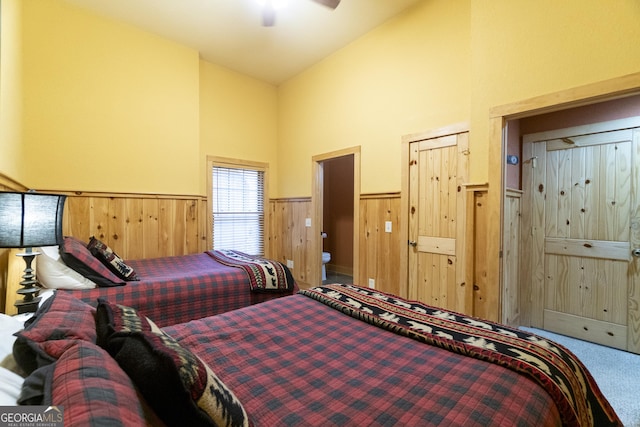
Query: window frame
215	161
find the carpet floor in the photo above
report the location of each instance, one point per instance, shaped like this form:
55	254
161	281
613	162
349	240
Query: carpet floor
616	372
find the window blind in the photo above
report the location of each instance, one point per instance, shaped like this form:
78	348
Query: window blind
238	209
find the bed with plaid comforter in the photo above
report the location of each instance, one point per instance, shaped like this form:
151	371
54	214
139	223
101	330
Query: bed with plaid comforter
178	289
328	356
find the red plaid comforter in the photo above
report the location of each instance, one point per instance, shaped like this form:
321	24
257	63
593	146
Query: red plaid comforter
295	361
177	289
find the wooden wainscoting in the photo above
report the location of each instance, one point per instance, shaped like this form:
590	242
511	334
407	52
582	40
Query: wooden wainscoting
138	226
7	184
486	297
379	255
135	226
289	238
4	268
380	250
511	306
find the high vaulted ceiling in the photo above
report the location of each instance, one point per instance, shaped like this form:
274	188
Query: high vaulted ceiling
230	32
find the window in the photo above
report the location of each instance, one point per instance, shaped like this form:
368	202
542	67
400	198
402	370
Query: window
237	203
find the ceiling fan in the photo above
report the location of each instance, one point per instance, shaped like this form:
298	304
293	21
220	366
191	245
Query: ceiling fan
269	10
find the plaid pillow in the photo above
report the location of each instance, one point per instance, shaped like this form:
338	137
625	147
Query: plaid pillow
111	260
75	255
176	383
60	320
93	389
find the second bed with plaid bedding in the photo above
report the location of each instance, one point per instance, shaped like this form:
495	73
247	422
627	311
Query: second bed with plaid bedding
178	289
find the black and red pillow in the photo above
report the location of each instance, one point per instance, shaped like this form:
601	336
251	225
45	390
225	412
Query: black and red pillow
111	260
77	256
93	389
177	384
59	321
65	367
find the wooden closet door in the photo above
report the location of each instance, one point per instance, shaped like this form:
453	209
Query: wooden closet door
438	171
585	220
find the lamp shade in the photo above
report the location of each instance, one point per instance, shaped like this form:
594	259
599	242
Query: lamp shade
30	219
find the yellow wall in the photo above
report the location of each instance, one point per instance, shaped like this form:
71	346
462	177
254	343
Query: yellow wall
521	49
107	107
441	63
10	90
98	105
238	118
410	75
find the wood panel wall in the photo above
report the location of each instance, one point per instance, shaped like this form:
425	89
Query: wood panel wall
289	239
139	226
379	258
511	304
4	268
8	184
486	295
379	250
135	226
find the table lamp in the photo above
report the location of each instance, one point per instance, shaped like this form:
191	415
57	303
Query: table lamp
30	220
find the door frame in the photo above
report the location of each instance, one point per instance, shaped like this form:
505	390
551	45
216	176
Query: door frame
606	90
317	203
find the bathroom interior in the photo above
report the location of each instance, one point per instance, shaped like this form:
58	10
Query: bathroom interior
337	242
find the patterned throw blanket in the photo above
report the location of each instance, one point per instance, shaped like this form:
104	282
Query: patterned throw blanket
264	275
558	371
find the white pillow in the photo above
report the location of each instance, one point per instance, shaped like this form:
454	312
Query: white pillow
10	383
8	326
53	273
10	387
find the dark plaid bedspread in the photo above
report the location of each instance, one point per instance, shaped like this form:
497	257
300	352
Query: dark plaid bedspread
297	362
563	376
177	289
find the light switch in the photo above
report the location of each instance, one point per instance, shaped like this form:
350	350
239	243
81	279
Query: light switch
387	227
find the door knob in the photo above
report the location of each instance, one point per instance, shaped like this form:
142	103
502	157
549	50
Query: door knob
636	252
414	244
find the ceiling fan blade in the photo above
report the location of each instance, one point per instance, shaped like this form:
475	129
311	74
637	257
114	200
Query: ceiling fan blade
329	3
268	15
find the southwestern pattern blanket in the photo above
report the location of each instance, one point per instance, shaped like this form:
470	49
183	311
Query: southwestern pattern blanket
558	371
264	275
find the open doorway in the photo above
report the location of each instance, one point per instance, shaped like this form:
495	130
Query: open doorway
337	220
335	204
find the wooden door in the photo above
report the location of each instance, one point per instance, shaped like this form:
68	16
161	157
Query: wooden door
438	170
583	208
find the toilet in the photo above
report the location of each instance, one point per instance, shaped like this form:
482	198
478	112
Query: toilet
326	257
